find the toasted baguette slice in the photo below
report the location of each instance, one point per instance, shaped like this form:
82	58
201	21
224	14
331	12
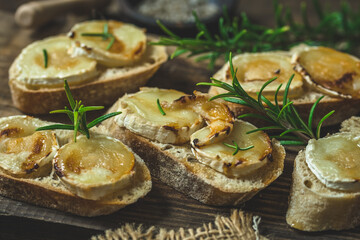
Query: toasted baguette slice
314	207
104	90
176	166
344	108
49	192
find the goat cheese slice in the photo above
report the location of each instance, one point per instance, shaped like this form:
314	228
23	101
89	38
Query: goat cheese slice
254	69
220	157
125	46
30	67
141	115
335	161
328	71
23	151
95	168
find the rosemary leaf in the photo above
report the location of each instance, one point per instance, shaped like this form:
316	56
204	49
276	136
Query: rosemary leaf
56	126
45	58
90	108
312	110
102	118
69	95
318	128
103	35
61	111
237	148
112	40
83	125
160	108
292	143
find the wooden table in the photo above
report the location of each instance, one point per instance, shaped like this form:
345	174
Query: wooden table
163	206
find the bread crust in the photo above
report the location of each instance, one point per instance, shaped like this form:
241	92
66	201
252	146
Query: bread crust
104	90
314	207
176	166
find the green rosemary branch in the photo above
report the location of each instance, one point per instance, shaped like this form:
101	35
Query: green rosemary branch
105	35
285	118
77	115
339	30
237	148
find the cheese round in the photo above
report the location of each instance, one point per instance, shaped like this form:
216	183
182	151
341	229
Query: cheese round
30	66
141	115
96	167
335	161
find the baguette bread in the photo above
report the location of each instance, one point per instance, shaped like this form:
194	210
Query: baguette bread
315	207
105	89
48	191
177	166
303	100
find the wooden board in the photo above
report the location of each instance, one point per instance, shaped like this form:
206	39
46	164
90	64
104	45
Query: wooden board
163	206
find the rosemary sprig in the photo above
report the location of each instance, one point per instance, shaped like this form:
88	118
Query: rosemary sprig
160	108
45	58
338	29
105	36
237	148
77	115
285	118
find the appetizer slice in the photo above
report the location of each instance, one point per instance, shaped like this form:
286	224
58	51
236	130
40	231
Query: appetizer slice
96	167
254	69
328	71
23	151
325	190
217	163
111	43
45	64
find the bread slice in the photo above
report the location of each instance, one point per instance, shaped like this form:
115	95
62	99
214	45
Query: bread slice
104	90
344	108
176	166
49	192
314	207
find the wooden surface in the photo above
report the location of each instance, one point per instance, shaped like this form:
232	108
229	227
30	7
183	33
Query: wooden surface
163	206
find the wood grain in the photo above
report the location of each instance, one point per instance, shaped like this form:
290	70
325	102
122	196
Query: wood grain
163	206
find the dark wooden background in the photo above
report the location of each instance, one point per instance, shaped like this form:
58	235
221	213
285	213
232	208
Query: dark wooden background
163	206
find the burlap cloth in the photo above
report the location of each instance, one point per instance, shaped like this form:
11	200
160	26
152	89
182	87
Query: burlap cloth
239	225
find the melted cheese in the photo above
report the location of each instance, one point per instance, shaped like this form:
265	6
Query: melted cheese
328	69
141	115
30	66
221	158
128	47
254	69
24	152
335	161
93	168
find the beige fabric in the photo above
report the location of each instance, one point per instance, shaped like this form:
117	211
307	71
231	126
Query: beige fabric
239	225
